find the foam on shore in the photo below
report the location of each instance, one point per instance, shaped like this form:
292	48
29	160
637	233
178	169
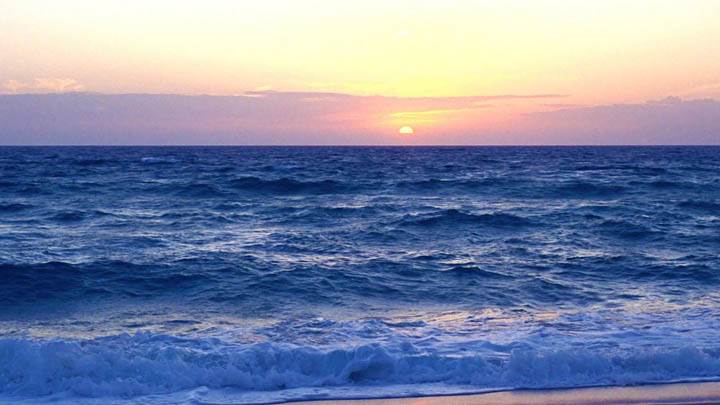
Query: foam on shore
130	366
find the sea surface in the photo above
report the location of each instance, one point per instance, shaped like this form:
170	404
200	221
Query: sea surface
268	274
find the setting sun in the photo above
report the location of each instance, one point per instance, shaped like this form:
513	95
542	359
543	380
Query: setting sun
406	130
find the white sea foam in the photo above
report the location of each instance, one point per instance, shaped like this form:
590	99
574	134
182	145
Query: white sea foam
157	159
128	366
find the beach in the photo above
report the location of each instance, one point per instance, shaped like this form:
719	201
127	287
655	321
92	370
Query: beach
680	393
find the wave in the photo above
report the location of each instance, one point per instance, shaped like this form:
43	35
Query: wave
91	162
77	215
700	205
286	186
662	184
30	283
27	283
695	274
22	189
475	271
641	170
8	184
254	186
14	207
126	366
467	185
157	160
68	216
453	217
667	184
196	190
584	189
314	216
626	230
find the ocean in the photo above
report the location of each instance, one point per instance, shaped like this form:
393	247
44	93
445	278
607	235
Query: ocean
271	274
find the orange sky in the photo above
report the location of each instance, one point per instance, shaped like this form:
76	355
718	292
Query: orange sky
583	53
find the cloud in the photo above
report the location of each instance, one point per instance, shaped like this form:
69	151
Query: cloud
667	121
328	102
255	117
670	100
465	100
710	90
562	105
267	117
42	85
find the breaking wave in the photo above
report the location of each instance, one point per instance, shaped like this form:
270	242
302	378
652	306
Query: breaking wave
134	365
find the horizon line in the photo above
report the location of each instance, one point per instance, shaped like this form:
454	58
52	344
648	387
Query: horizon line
348	146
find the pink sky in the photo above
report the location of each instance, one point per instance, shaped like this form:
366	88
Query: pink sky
275	118
307	72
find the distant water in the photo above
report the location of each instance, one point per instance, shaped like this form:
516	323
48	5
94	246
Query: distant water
257	274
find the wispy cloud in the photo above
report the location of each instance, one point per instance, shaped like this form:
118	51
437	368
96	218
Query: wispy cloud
711	90
41	85
671	120
271	117
394	105
451	99
563	105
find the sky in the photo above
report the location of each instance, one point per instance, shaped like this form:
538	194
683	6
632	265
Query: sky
355	72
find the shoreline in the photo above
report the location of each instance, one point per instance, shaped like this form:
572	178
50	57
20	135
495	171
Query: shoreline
663	393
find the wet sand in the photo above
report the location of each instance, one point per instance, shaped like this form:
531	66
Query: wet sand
681	393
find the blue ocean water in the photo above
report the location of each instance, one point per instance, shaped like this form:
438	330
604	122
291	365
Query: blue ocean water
266	274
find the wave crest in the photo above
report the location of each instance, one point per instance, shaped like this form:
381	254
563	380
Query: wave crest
286	186
143	364
453	217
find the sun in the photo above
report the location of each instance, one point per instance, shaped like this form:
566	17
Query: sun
406	130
